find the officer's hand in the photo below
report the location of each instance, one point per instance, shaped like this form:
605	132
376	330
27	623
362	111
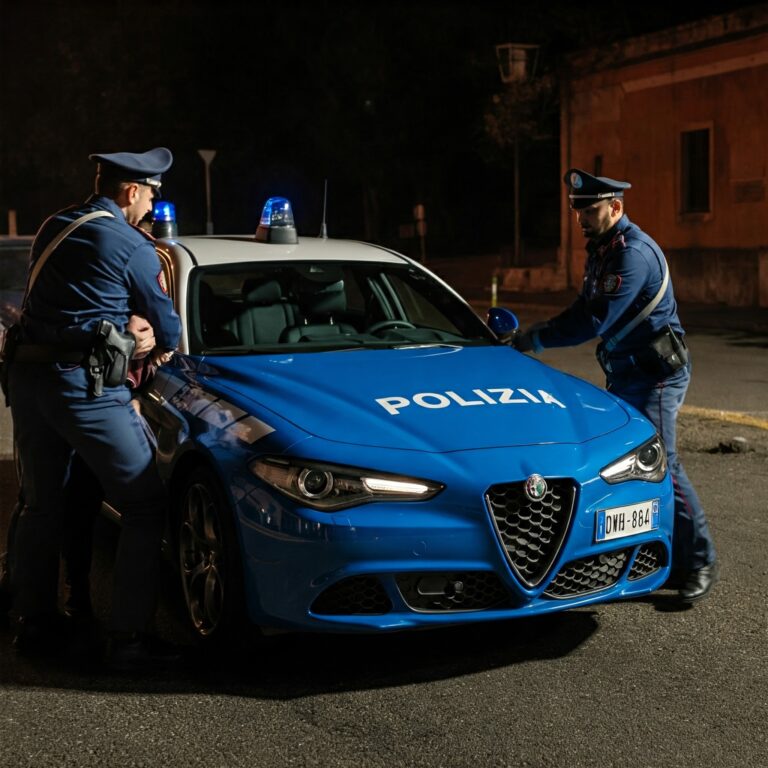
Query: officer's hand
523	341
144	333
160	356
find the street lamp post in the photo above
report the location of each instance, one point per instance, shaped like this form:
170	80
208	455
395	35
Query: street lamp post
517	63
207	155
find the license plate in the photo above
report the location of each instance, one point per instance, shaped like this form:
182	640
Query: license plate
618	522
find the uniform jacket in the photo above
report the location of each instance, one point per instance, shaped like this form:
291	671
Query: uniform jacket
104	270
623	273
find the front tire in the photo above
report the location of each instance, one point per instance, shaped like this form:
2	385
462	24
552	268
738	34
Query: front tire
209	559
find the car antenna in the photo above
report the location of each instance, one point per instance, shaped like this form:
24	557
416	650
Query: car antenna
323	226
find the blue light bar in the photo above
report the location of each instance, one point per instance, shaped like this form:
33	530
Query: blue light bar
276	224
164	219
164	211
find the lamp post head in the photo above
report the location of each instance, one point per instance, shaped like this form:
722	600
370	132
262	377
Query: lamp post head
517	61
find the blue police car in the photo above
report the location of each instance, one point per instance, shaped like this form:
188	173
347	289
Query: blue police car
350	447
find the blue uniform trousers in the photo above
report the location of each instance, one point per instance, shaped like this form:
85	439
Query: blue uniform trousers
55	416
660	402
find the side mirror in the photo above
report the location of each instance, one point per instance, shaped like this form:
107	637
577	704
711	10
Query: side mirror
502	321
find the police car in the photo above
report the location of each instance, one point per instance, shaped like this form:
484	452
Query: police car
349	447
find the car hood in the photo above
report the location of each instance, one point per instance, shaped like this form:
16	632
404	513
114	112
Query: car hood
423	398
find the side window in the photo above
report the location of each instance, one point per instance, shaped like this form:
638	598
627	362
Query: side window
695	171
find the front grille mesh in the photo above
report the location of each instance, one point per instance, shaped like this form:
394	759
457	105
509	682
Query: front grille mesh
355	595
590	574
649	559
465	591
531	532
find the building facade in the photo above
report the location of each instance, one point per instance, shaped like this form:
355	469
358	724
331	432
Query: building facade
683	115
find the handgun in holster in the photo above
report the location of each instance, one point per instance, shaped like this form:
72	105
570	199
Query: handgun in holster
109	357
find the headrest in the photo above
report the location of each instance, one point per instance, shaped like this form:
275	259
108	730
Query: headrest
327	300
262	291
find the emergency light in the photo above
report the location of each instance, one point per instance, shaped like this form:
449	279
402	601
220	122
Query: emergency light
277	224
164	219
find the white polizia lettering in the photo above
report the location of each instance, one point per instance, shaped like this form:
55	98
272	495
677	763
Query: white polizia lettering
491	396
393	404
435	400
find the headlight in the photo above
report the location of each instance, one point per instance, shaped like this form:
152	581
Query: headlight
328	487
648	462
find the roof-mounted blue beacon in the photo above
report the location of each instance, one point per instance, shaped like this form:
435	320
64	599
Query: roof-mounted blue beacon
164	219
277	225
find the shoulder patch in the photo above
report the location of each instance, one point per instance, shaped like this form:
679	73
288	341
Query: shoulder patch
611	283
161	281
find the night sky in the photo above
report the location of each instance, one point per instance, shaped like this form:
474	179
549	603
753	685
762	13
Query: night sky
385	100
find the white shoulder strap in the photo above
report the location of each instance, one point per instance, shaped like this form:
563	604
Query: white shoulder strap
610	344
55	242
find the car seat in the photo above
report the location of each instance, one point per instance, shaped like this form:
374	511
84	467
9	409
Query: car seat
318	309
265	315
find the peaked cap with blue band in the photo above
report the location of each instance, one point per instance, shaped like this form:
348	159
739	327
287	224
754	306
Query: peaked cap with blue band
585	189
143	167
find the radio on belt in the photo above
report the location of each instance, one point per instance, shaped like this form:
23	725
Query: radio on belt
277	224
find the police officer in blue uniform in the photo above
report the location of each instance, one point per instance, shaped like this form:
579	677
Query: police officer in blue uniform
627	300
63	401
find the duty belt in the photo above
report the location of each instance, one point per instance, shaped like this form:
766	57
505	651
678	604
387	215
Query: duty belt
48	353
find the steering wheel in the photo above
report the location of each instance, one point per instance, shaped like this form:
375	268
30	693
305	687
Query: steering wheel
383	325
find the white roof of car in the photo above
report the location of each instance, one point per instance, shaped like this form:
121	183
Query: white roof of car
209	250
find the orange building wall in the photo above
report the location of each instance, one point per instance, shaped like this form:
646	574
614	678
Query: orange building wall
633	115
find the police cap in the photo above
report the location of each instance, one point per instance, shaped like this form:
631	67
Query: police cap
143	167
584	189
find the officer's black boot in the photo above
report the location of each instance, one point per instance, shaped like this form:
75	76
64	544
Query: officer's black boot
42	635
78	603
141	652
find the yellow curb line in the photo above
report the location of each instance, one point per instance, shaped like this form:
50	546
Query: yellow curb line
732	416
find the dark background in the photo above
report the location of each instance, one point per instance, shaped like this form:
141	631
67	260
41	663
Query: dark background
384	100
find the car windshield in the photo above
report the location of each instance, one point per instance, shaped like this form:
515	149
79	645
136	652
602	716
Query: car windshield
313	306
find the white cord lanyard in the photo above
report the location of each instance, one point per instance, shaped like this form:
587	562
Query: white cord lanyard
54	244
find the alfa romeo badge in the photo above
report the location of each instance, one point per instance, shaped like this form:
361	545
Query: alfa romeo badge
536	487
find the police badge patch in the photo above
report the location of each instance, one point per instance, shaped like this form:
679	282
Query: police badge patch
162	282
611	283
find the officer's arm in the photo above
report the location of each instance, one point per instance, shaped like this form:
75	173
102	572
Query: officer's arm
622	284
145	278
571	327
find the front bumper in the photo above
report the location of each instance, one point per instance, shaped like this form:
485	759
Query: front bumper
391	566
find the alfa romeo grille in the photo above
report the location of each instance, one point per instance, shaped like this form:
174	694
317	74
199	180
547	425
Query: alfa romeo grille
355	595
590	574
531	532
649	559
459	591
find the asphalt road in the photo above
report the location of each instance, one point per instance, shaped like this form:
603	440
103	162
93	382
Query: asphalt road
637	683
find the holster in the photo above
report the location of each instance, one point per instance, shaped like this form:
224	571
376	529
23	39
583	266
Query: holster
666	353
110	357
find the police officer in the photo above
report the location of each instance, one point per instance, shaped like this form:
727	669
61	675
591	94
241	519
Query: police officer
62	404
627	300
